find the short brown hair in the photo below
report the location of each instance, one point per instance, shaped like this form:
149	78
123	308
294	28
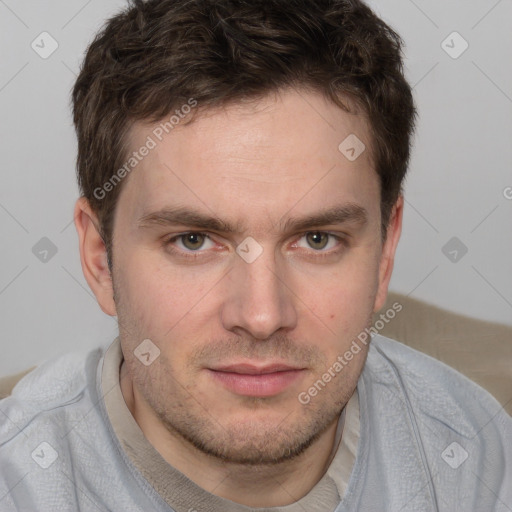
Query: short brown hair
156	55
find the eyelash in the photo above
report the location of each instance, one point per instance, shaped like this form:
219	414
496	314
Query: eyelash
191	255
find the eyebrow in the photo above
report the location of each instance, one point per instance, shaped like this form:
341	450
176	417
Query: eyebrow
348	213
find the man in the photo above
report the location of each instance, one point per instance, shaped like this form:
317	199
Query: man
241	166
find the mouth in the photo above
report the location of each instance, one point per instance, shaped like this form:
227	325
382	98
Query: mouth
257	381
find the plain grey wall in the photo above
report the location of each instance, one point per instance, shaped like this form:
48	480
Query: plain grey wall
459	190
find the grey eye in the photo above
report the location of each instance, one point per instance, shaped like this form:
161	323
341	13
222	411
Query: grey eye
317	240
193	241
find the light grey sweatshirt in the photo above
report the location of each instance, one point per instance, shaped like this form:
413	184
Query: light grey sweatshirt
417	436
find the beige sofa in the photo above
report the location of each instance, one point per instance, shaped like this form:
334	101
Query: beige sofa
480	350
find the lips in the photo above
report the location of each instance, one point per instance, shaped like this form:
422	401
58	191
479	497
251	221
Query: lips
248	369
254	380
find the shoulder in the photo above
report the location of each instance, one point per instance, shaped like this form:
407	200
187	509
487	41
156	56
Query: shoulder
54	438
46	391
40	426
433	389
459	431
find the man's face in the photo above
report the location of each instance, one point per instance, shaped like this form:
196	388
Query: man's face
242	334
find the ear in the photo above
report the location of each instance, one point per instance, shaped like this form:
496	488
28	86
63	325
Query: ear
387	260
93	256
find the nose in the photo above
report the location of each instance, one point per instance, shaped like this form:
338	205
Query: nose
259	298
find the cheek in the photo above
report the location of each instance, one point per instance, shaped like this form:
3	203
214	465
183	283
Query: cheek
149	300
163	302
343	301
347	289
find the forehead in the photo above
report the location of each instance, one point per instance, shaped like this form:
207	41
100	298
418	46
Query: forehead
289	150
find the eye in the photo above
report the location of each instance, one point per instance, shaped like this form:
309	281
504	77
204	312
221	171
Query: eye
319	241
192	241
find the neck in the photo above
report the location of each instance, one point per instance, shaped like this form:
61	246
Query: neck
253	486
